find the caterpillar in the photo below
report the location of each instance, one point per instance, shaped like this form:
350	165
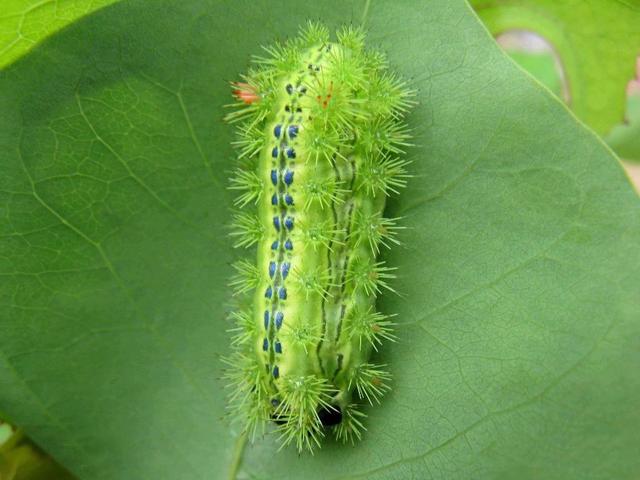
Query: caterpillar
320	131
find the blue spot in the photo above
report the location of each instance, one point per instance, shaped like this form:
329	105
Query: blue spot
288	199
274	152
288	177
288	245
291	153
276	372
279	319
278	347
276	223
277	130
282	293
265	344
269	292
285	269
274	177
289	88
266	319
275	402
274	245
272	269
289	223
292	131
274	199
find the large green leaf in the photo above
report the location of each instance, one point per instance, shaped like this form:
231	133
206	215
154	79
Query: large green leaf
24	23
597	41
518	337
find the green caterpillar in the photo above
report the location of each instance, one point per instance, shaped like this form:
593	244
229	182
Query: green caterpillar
320	126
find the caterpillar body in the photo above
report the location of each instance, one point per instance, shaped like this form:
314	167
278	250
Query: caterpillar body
320	129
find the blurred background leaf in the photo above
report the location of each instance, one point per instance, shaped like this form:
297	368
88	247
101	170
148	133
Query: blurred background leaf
596	44
542	66
625	138
24	23
22	460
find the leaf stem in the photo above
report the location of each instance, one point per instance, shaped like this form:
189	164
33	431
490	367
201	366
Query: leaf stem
363	21
237	455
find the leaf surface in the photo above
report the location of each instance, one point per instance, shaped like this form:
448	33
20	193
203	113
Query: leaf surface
24	23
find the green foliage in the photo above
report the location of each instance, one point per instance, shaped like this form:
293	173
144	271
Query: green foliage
542	66
518	321
597	42
625	138
20	459
25	23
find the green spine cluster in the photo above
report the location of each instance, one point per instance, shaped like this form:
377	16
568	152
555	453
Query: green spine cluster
320	129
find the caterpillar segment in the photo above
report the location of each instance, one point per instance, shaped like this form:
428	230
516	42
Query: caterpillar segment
320	133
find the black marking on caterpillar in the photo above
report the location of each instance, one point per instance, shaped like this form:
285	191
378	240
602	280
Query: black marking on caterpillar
320	126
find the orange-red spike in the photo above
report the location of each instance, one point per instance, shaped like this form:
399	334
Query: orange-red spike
245	92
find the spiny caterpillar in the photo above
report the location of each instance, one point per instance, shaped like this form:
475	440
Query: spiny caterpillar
320	126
